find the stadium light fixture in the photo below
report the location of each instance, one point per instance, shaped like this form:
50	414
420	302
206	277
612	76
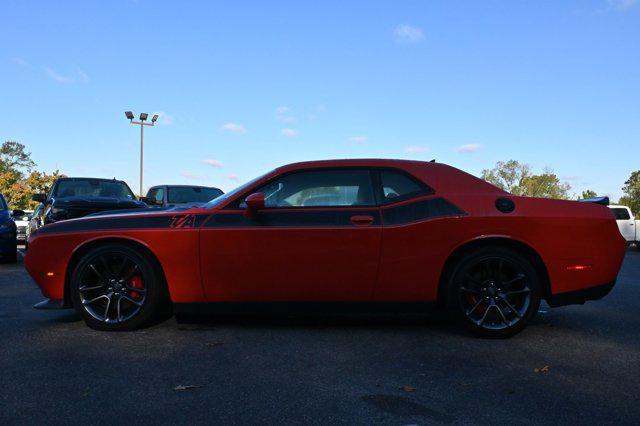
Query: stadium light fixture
141	123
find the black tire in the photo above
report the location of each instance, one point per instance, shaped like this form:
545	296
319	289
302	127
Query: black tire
12	257
494	291
103	274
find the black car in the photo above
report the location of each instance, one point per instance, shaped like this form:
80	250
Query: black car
167	196
8	241
74	197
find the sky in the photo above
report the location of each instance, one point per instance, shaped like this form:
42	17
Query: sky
243	87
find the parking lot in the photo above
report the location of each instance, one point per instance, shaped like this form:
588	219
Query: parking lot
577	364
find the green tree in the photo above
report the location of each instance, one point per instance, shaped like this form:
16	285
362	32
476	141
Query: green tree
14	157
17	182
517	178
631	190
507	175
588	193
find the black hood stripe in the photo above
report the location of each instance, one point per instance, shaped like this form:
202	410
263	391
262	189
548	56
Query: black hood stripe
179	221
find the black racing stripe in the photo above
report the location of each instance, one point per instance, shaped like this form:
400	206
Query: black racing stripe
178	221
419	210
328	218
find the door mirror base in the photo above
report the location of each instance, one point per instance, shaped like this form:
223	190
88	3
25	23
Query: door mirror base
255	203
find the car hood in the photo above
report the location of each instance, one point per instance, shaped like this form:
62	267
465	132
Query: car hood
145	218
145	211
103	203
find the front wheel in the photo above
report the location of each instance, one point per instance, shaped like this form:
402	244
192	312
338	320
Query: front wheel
115	287
494	291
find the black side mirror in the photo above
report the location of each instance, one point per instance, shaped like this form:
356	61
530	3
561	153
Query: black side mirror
40	198
17	213
151	201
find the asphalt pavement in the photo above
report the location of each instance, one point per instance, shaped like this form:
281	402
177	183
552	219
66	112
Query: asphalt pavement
577	364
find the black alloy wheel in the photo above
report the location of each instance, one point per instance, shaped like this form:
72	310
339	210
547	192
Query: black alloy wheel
494	291
117	287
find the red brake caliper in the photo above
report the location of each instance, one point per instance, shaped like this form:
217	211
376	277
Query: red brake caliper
135	282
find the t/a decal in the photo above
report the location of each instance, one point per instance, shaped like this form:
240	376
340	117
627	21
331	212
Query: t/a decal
183	221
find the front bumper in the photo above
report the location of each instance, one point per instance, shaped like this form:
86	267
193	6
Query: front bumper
579	297
48	304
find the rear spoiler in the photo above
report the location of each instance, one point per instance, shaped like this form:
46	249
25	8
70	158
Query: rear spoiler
598	200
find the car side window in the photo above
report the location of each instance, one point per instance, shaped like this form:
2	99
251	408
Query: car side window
398	186
320	188
621	214
159	195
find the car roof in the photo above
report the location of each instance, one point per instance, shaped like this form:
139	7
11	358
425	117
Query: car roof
437	175
184	186
90	178
355	162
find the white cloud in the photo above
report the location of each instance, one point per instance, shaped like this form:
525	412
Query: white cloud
212	163
190	176
623	4
283	114
164	119
77	76
470	147
416	149
406	33
233	177
290	133
359	139
54	75
234	128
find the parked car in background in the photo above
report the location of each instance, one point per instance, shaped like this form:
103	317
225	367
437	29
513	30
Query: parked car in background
74	197
354	232
627	224
22	225
167	196
8	242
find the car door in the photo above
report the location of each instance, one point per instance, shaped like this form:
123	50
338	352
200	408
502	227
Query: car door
626	222
318	239
414	237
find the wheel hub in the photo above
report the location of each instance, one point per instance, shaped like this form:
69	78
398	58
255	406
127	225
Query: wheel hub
495	293
106	292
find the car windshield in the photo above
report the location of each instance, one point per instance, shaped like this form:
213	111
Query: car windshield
3	204
224	197
189	194
93	188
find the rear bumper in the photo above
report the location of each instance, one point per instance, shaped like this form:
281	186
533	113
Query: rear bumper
579	297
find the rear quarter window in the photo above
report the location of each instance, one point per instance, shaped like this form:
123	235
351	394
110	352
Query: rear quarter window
620	213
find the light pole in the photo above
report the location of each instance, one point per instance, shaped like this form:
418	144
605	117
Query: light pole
143	118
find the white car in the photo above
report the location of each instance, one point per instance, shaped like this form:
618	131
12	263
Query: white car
628	225
22	225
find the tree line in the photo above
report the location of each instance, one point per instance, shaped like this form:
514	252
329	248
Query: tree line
18	178
518	179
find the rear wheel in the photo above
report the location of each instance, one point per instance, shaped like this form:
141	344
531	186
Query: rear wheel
494	291
116	287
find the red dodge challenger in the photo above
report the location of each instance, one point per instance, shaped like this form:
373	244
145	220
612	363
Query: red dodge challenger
357	233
